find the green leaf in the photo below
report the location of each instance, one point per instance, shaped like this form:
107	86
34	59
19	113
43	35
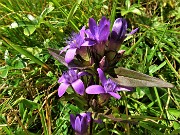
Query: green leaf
175	112
103	132
154	68
136	11
27	103
20	24
73	10
150	128
4	71
18	64
29	30
124	12
175	132
32	18
24	52
46	11
128	4
138	93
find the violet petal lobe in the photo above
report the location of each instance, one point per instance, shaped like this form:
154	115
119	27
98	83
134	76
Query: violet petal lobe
95	89
102	22
84	124
64	49
88	116
88	43
117	96
119	29
61	79
82	32
134	31
102	76
92	25
72	120
78	124
104	33
116	28
62	88
82	74
70	55
78	86
123	88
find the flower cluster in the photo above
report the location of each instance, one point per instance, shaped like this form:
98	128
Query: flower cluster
91	55
96	48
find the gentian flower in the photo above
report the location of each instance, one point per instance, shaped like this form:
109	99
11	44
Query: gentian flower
75	42
71	78
80	122
98	33
119	33
97	37
108	86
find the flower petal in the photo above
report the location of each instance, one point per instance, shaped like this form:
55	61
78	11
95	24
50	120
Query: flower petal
89	34
82	74
64	49
124	88
84	125
116	28
92	25
119	29
78	125
82	32
104	34
61	79
72	120
117	96
103	21
62	88
88	116
71	52
134	31
89	43
95	89
102	76
78	86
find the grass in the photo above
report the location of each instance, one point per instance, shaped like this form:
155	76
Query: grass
29	104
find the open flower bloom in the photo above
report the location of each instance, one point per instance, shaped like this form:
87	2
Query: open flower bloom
76	41
80	122
71	78
108	86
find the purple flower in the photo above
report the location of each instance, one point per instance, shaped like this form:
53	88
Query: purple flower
76	41
108	86
119	32
98	33
80	122
119	29
71	78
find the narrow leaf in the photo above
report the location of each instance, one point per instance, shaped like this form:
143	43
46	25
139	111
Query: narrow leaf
56	54
24	52
135	122
73	10
132	78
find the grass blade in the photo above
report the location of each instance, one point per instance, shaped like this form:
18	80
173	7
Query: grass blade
24	52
